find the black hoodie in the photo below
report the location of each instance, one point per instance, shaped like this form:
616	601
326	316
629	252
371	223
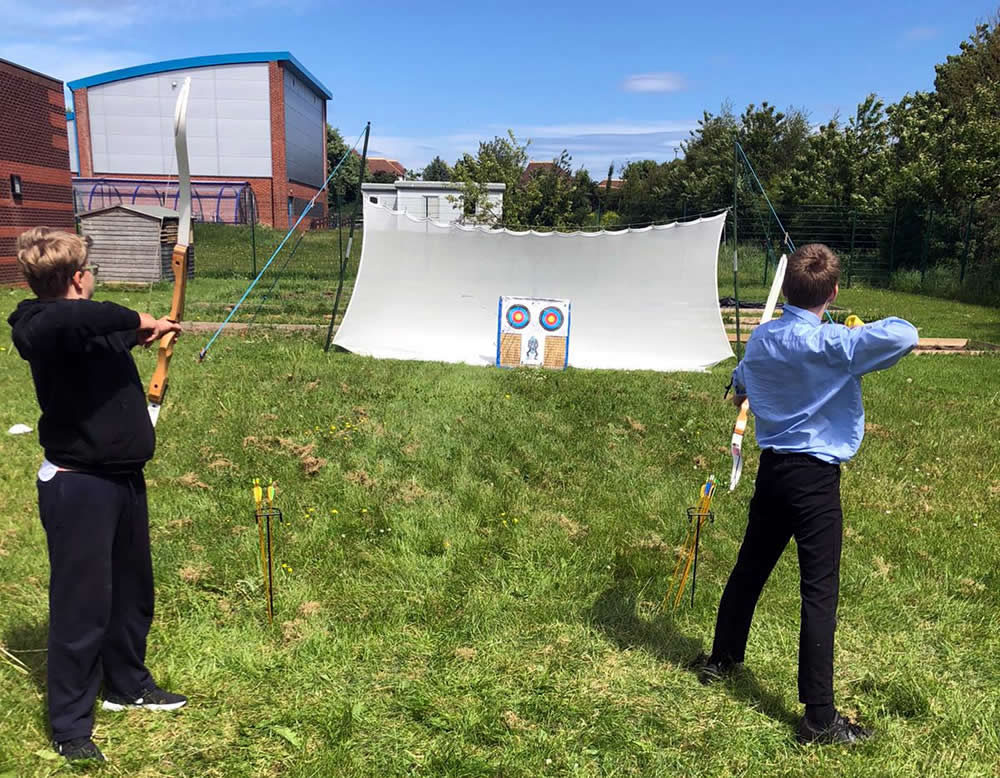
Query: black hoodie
94	415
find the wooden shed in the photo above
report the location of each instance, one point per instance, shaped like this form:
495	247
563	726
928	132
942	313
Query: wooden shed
134	242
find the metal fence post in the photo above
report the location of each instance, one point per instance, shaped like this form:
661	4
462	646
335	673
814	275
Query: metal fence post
850	256
892	241
928	221
965	251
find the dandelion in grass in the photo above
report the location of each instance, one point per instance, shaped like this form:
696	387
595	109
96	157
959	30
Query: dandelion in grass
334	511
364	510
446	544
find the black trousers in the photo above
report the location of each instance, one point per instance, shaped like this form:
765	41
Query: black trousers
798	496
100	593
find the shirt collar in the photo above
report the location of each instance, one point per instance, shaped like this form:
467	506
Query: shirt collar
802	313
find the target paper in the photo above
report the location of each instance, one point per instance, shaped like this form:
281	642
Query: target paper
540	328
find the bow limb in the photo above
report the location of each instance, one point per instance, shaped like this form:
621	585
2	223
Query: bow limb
736	446
179	257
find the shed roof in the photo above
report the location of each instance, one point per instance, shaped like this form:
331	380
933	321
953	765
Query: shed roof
152	211
199	62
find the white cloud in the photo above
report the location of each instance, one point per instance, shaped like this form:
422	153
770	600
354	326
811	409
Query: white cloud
592	145
654	82
46	17
609	128
69	62
925	33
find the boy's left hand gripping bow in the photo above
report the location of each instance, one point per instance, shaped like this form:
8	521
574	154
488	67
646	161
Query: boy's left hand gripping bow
158	384
741	419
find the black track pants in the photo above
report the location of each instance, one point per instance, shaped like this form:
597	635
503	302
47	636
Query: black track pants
100	593
798	496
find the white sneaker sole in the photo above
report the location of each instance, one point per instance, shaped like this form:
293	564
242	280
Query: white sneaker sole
118	706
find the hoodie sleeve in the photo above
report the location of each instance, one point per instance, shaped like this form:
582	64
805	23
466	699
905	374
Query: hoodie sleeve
70	324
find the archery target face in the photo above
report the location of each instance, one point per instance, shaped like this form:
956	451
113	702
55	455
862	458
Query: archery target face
537	329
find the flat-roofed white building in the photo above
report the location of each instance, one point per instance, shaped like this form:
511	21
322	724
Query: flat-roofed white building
437	200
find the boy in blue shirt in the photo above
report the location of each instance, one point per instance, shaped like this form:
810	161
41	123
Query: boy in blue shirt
803	380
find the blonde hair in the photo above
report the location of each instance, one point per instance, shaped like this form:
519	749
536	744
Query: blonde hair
812	275
49	258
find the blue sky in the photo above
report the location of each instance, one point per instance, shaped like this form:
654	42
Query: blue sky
609	81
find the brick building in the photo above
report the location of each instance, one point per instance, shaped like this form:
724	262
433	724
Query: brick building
258	117
35	186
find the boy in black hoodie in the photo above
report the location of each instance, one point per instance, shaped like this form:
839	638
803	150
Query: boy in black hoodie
97	437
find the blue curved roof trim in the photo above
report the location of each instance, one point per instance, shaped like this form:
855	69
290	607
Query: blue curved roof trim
199	62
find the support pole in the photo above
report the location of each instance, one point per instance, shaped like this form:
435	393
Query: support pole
850	256
928	221
253	231
892	241
965	251
350	239
736	263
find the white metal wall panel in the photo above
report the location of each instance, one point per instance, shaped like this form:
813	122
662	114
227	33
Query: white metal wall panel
305	135
74	157
229	122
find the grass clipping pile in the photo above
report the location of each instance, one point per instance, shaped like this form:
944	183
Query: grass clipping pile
311	464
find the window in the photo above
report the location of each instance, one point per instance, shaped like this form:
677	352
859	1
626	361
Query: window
373	199
432	207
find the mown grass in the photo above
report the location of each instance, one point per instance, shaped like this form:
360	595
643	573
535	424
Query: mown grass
477	564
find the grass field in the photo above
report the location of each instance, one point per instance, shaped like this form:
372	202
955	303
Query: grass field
471	576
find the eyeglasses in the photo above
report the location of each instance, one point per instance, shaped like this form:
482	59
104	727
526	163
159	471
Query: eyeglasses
93	267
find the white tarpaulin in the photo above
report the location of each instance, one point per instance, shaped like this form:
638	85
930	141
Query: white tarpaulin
644	299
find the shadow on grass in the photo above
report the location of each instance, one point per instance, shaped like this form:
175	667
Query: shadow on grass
27	642
614	613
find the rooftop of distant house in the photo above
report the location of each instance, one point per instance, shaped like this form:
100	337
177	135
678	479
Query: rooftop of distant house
534	168
616	183
384	165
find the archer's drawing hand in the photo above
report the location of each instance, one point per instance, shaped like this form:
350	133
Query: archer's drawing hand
738	399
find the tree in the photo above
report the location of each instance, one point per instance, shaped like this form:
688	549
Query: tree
706	171
437	170
345	182
549	194
977	63
501	160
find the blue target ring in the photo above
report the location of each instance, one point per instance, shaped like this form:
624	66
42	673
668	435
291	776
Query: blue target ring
551	319
518	317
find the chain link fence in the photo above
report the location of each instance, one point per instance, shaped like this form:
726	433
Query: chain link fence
944	251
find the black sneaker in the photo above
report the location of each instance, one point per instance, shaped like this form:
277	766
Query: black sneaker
840	730
153	698
717	670
77	749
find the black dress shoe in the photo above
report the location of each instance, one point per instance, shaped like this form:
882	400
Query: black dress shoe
840	730
717	670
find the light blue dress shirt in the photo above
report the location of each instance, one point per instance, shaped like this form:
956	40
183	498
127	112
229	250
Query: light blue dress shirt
803	379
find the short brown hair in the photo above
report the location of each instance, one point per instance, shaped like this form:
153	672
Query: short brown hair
48	259
813	273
